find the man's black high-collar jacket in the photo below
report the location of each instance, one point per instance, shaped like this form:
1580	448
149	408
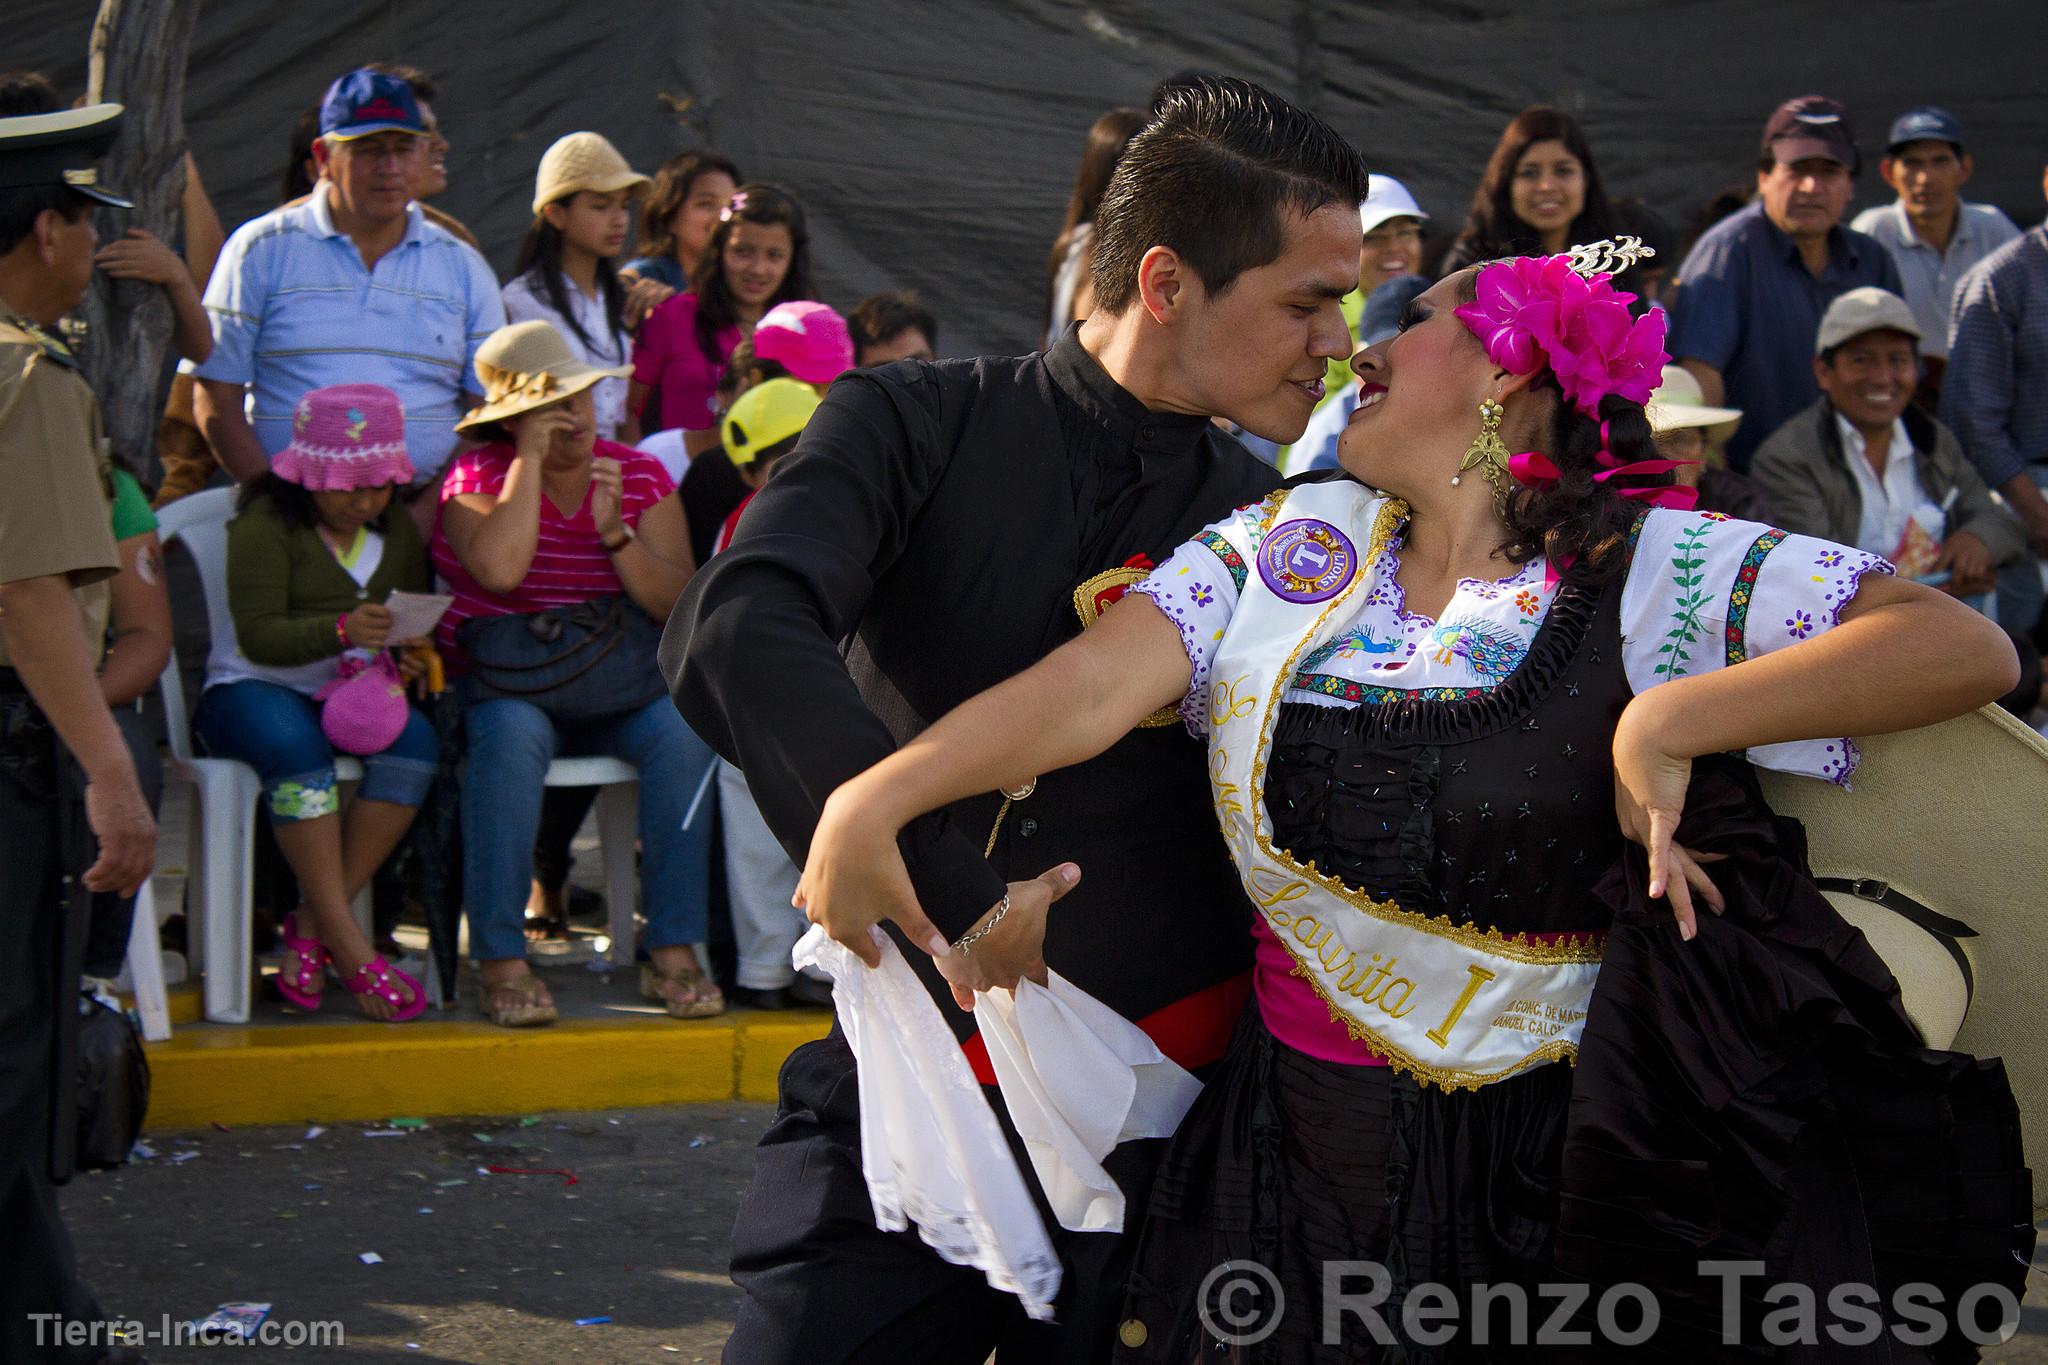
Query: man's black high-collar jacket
937	520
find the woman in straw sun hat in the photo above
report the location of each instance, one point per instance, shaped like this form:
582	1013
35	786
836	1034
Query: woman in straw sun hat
546	517
312	555
565	276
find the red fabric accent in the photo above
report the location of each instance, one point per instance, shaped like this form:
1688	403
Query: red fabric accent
731	523
1193	1031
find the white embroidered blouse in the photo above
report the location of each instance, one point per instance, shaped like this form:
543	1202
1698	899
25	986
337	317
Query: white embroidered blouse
1702	592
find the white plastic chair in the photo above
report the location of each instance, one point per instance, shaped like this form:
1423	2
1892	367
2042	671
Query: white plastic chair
220	876
221	863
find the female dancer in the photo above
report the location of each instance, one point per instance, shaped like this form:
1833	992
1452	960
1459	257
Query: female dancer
1419	686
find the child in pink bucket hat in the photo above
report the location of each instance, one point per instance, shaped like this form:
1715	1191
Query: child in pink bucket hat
807	339
313	552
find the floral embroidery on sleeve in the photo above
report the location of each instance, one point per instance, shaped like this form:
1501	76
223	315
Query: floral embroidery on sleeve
1688	560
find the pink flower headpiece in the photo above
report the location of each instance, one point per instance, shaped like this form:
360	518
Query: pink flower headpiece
737	204
1565	311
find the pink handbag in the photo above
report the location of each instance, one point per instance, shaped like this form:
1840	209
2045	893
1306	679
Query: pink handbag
363	710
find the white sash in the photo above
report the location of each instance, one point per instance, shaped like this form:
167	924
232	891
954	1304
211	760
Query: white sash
1453	1005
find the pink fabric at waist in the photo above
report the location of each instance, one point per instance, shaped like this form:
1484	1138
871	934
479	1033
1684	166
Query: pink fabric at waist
1296	1015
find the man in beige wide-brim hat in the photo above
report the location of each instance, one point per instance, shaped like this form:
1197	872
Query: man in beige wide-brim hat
1936	856
526	366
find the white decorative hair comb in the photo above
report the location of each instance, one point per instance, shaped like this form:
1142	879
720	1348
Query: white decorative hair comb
1610	257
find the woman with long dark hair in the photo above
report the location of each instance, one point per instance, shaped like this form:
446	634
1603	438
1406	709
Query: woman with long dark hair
1540	193
1069	275
678	216
1456	705
564	275
759	255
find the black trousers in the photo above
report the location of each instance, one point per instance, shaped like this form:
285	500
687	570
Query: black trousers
824	1285
41	1273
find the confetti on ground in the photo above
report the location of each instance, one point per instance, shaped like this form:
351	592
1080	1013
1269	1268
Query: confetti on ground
384	1132
408	1123
222	1127
315	1131
568	1177
528	1122
447	1184
591	1322
370	1258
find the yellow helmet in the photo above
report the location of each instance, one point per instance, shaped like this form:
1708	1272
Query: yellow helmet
765	415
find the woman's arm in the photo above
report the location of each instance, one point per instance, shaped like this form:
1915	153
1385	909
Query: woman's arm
495	538
1903	656
1068	707
141	621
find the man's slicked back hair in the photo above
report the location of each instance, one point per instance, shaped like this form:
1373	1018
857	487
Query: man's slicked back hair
1215	175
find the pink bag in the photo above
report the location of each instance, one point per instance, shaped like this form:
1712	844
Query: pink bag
363	710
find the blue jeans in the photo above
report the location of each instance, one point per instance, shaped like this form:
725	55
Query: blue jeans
277	732
511	743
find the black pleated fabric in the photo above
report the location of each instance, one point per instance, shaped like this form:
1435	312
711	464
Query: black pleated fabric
1754	1095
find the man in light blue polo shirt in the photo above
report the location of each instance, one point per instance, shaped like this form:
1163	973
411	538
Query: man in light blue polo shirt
1933	234
350	286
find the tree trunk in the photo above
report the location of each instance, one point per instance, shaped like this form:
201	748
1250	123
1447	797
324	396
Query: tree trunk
138	59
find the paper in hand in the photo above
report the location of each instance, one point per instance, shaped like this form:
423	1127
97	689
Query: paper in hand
415	614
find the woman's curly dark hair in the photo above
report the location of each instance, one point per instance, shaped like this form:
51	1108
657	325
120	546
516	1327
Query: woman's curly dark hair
1579	525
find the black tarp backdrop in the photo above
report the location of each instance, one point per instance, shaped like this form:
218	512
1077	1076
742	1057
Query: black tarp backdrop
934	142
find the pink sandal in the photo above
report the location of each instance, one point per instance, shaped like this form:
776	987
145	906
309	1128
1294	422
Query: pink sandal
297	985
376	977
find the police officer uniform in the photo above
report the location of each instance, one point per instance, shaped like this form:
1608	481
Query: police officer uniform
54	500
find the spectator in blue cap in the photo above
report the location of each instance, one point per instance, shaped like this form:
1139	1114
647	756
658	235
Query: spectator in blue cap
352	285
1932	233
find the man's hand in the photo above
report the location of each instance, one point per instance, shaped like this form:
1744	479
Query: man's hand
120	819
1968	561
1015	947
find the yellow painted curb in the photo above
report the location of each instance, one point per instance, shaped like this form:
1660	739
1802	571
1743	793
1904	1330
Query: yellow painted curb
345	1072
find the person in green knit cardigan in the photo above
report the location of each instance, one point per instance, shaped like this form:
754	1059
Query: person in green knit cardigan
313	553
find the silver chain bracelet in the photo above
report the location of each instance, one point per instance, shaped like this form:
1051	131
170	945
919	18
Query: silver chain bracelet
974	936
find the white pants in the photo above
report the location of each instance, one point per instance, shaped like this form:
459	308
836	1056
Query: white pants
759	880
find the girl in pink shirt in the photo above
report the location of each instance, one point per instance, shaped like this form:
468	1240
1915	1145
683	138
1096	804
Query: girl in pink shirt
759	255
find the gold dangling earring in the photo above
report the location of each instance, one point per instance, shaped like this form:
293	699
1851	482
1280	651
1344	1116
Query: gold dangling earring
1488	453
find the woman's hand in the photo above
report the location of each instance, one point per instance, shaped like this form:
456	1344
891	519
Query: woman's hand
534	433
368	626
141	256
643	296
1015	947
607	493
1649	797
854	877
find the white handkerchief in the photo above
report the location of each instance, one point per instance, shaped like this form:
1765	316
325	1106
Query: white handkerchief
931	1149
1078	1079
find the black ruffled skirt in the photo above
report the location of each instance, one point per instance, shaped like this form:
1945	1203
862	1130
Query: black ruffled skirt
1756	1096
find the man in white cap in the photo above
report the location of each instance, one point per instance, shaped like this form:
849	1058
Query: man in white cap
1390	251
1863	467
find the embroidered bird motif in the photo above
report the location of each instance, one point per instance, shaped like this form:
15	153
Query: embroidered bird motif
1491	653
1359	640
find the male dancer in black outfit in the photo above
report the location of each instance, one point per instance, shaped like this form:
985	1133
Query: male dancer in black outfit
957	521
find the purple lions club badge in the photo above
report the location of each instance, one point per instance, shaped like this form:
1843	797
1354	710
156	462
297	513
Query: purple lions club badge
1307	561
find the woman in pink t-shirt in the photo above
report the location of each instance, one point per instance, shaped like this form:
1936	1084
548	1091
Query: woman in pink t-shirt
759	255
550	515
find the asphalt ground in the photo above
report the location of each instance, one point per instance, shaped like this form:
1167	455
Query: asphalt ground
477	1268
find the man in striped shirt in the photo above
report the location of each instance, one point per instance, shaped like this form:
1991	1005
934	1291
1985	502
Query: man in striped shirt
352	285
1993	396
